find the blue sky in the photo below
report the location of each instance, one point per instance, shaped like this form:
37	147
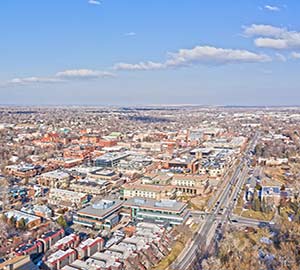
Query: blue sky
131	52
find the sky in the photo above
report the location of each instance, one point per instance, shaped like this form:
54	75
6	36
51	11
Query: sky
146	52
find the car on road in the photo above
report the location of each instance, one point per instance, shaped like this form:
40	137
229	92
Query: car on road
234	220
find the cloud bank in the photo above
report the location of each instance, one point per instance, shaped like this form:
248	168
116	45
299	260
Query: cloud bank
206	55
62	76
268	36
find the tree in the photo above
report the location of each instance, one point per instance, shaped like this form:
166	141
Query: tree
4	218
22	224
263	205
12	221
62	222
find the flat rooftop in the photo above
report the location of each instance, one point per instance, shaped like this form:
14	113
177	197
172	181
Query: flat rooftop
170	205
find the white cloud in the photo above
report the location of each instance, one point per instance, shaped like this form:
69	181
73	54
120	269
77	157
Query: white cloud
272	8
83	74
271	43
263	30
269	36
130	34
62	76
198	55
295	55
139	66
32	80
94	2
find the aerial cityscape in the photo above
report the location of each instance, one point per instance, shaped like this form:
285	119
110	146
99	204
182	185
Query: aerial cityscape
149	135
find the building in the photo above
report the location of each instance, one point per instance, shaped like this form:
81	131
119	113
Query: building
41	245
18	263
162	186
38	210
110	159
190	184
274	194
67	198
69	241
157	192
187	164
50	238
66	163
61	258
103	214
89	247
23	170
54	179
30	248
30	220
91	186
212	168
163	211
103	174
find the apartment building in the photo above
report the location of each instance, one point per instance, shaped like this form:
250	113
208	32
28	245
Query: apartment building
89	247
61	258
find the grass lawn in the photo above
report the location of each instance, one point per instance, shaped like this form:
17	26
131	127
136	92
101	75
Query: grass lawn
258	215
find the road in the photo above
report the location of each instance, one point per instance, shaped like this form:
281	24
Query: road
222	210
249	221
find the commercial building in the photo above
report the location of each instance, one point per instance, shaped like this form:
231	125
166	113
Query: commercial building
190	184
23	170
156	192
67	198
54	179
103	174
110	159
91	186
163	211
188	164
103	214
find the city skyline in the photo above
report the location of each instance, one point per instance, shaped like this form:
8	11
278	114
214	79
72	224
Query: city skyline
150	52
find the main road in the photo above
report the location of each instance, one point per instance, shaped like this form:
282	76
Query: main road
222	210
